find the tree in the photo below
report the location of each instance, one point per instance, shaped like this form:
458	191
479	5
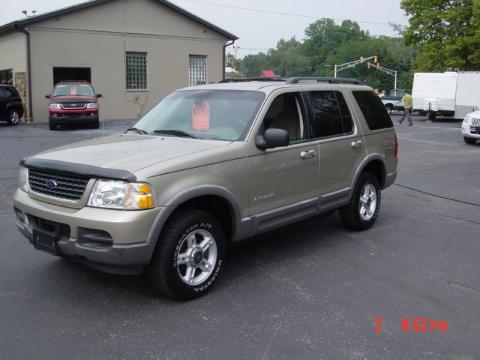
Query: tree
326	44
445	32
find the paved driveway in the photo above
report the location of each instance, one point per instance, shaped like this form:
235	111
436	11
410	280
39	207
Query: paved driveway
308	291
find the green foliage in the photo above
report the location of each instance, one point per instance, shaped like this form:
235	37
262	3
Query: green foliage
326	44
445	32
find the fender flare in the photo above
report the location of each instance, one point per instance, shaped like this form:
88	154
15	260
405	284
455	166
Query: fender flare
189	194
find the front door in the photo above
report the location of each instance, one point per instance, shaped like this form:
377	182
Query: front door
284	180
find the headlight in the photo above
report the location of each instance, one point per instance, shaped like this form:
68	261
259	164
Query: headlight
121	195
23	179
467	120
55	106
92	106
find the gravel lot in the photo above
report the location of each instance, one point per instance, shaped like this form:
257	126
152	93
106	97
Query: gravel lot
308	291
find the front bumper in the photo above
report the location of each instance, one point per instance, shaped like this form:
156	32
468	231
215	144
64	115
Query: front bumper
73	119
132	238
470	131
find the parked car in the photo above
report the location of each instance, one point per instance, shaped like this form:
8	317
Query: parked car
393	101
471	127
11	108
207	166
73	103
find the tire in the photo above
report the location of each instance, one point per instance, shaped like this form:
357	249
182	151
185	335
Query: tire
469	141
389	108
183	235
52	126
432	116
96	125
352	215
13	117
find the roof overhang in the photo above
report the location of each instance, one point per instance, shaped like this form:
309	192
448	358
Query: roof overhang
14	25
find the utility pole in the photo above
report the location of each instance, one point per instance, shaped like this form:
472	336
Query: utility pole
387	71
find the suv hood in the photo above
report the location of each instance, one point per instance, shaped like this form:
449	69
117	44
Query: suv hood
127	151
64	99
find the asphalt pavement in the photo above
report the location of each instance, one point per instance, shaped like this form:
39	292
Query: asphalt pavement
308	291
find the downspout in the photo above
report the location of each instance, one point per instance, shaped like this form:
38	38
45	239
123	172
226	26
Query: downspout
228	43
29	70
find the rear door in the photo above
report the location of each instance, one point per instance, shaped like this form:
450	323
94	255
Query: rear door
341	144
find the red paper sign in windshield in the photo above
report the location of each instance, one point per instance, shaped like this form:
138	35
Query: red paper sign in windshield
201	116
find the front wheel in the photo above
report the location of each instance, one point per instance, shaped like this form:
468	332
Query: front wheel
470	141
13	117
189	256
389	108
362	211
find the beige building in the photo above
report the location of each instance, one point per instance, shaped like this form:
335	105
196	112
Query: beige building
134	52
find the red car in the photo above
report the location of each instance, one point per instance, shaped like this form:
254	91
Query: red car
73	103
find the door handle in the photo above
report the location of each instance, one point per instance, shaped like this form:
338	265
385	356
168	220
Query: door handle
308	154
356	144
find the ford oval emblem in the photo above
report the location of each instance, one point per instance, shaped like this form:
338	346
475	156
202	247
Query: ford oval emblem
51	184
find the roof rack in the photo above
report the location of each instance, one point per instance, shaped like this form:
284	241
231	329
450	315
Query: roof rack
331	80
266	79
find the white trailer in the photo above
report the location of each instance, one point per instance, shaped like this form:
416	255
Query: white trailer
451	94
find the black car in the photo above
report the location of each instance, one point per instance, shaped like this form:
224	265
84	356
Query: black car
11	108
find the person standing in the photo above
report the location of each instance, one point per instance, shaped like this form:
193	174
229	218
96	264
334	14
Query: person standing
408	105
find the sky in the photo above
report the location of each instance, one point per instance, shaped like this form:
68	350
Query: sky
257	23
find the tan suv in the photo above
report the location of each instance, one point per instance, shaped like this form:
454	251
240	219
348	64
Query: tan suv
207	166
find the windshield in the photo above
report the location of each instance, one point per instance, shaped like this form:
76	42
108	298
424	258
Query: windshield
73	90
204	114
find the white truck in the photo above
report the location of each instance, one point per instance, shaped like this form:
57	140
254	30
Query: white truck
452	94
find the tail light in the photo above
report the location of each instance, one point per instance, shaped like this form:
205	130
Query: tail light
395	148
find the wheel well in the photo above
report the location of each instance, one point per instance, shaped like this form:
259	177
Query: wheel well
217	206
377	168
16	107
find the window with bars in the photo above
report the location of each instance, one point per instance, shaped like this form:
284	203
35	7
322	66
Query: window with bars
197	73
136	71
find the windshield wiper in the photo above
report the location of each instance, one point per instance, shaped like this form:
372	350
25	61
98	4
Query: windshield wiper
140	131
175	133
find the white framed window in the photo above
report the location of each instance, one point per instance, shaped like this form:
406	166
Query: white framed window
197	70
136	70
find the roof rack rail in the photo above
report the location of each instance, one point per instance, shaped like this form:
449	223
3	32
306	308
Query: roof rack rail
252	79
331	80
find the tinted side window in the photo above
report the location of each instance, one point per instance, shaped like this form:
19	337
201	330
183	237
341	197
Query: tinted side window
326	119
13	92
3	93
373	110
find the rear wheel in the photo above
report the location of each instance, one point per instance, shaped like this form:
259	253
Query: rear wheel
13	117
362	211
469	140
189	256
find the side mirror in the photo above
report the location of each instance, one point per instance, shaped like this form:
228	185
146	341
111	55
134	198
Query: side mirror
98	96
48	96
273	138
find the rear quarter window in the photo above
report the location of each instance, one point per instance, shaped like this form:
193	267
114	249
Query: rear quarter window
373	110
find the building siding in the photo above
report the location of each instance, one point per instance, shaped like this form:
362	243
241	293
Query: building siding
99	37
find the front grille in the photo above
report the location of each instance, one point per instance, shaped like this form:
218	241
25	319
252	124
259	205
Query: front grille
476	122
57	184
73	105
